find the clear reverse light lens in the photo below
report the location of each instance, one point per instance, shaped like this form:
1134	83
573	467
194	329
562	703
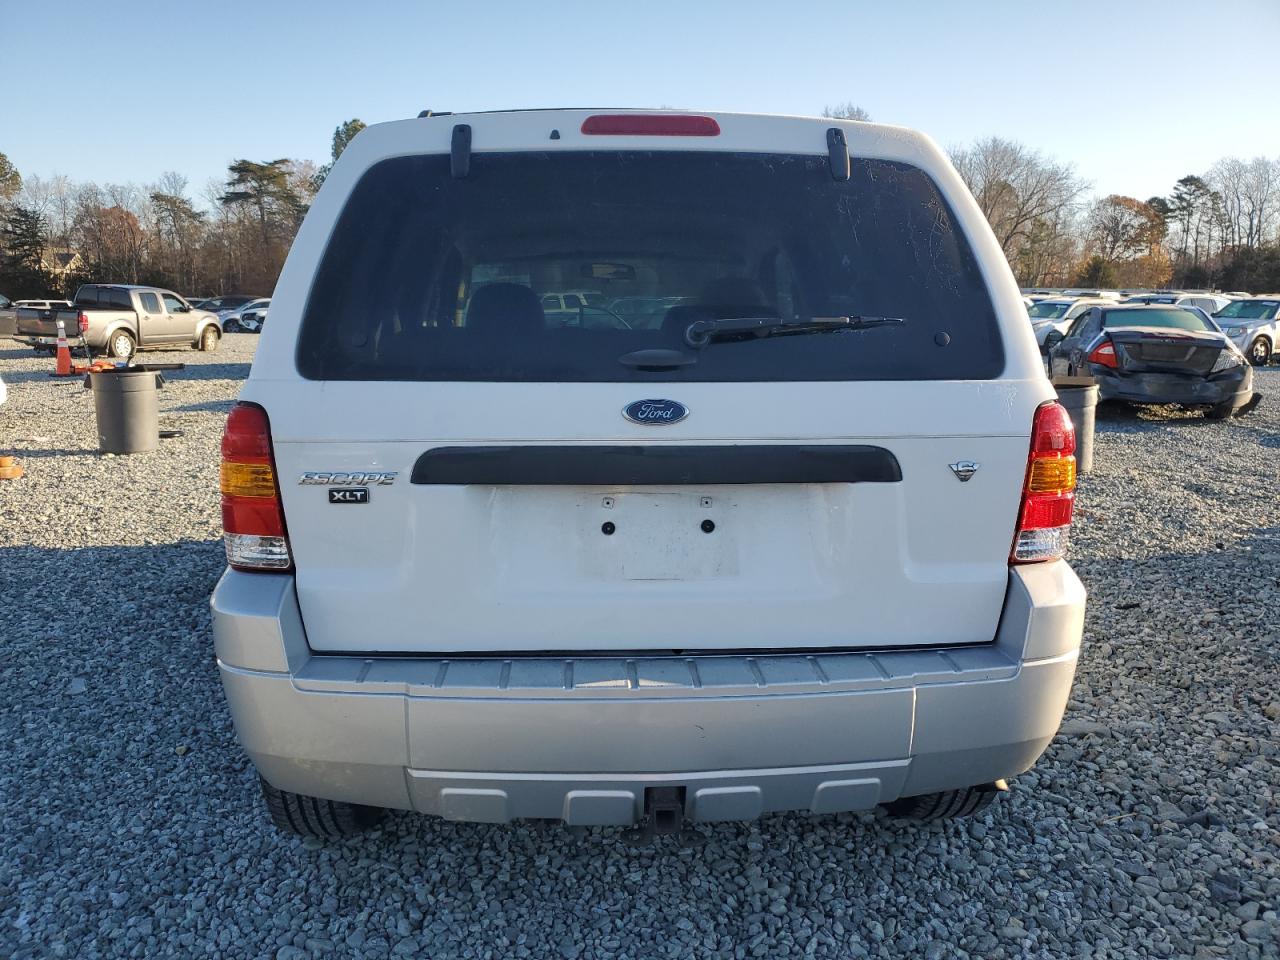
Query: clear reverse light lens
1047	543
249	550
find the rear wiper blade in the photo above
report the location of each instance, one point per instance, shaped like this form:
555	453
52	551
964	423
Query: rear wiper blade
701	332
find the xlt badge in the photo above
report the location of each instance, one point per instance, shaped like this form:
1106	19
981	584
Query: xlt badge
349	495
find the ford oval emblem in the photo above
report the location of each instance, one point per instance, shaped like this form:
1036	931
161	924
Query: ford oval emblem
651	412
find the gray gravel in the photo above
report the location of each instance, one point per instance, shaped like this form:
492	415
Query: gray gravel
132	825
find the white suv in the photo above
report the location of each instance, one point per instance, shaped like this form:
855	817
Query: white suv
797	547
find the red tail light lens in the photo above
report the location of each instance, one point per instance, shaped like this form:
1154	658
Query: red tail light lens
650	125
252	516
83	322
1104	355
1048	492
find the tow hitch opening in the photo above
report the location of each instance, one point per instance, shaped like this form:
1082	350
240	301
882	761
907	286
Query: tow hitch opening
663	816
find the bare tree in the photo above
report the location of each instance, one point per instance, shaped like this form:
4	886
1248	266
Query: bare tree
1016	187
846	111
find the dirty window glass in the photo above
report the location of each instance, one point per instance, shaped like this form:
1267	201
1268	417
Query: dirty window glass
431	277
150	302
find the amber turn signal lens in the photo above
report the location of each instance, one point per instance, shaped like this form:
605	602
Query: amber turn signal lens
1052	475
247	480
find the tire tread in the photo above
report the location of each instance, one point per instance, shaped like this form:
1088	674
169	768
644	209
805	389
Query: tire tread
316	816
945	804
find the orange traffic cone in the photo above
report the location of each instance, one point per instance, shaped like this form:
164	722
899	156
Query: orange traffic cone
62	367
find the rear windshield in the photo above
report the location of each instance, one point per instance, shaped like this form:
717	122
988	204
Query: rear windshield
1248	310
554	266
1178	319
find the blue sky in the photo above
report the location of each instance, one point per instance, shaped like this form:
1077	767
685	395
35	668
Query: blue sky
1135	93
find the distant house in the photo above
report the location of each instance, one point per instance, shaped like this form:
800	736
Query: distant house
60	261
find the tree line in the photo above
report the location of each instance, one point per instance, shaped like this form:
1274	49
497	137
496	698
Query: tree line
56	234
1219	228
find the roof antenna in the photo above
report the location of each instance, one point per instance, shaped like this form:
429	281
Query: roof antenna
460	151
838	154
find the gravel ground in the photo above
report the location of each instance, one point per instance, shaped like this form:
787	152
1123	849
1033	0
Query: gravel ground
132	824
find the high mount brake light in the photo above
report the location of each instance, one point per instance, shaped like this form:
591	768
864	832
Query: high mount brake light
1104	355
1048	492
650	125
252	515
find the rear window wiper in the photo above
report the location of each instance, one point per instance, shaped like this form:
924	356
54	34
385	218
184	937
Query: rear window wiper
701	332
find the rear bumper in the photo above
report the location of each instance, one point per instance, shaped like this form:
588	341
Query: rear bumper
1192	389
580	739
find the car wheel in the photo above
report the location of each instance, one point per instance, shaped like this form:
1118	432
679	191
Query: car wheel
209	339
232	326
316	817
1260	352
1221	411
948	804
122	345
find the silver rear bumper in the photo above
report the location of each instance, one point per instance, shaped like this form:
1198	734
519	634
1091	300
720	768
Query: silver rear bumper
579	739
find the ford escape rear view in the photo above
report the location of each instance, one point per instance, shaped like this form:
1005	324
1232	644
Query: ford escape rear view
789	538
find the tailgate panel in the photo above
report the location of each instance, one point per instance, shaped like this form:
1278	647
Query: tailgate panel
501	568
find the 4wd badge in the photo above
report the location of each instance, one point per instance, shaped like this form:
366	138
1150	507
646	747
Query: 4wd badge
349	495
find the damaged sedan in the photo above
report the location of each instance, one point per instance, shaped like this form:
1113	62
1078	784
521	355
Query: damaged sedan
1156	355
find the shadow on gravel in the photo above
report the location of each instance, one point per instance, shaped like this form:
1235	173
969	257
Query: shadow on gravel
208	406
209	371
24	454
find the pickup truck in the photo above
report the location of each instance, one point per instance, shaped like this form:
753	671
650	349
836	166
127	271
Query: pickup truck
119	319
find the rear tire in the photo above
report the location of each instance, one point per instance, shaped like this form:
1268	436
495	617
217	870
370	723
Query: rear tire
121	345
947	804
316	817
1222	411
1260	352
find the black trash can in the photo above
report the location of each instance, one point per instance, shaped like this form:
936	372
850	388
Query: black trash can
1080	397
128	415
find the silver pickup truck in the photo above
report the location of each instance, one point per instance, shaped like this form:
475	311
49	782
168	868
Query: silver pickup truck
119	319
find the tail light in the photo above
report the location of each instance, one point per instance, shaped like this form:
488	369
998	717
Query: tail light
83	321
651	125
252	516
1104	355
1048	493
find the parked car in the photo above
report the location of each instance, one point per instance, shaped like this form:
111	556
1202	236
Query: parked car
232	320
254	316
121	318
1254	326
1059	313
226	304
1149	354
1210	303
1094	294
798	548
8	317
581	308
